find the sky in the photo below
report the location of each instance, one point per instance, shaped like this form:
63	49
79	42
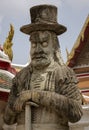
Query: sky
71	13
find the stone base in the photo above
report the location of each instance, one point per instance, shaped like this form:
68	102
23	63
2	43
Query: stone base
9	127
83	124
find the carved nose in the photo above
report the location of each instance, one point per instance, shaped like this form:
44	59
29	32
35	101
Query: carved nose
38	48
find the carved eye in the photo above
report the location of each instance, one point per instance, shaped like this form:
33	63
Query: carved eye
33	45
44	44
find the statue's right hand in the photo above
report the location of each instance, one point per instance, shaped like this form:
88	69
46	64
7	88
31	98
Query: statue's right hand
18	105
22	98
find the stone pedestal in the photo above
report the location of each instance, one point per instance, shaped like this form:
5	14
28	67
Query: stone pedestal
9	127
83	124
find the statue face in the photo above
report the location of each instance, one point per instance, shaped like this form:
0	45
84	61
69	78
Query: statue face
41	48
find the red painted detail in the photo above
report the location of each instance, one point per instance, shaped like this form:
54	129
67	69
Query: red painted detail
82	43
85	91
12	70
4	65
4	96
82	75
7	66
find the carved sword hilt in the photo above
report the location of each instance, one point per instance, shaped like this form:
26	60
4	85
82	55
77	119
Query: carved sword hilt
28	114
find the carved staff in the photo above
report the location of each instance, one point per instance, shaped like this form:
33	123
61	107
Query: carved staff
28	114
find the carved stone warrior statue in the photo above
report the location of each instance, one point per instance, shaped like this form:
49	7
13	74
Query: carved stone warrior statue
46	81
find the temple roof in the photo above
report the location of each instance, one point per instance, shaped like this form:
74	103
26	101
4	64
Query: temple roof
78	59
5	64
5	80
79	55
7	72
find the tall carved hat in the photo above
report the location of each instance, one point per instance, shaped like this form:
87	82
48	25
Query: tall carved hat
43	18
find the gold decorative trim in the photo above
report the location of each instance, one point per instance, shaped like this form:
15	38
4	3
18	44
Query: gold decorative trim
7	47
77	43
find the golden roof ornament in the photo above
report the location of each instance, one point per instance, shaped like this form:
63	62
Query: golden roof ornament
7	46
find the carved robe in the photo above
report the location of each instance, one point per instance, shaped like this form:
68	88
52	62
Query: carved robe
55	111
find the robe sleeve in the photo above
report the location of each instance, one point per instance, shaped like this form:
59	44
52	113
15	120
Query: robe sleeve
71	97
19	83
10	115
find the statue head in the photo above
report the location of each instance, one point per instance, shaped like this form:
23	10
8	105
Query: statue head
43	32
41	48
44	48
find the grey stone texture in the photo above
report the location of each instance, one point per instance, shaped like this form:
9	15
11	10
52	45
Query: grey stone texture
47	83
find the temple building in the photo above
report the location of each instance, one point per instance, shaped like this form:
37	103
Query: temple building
78	59
7	72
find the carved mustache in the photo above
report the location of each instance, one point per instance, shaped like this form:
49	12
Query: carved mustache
39	55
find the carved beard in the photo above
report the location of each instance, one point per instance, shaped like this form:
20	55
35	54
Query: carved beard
40	61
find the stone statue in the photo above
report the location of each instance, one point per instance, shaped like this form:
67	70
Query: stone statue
46	82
